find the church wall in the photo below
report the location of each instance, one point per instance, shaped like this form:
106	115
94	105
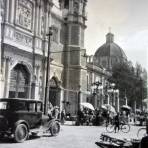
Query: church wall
25	43
24	36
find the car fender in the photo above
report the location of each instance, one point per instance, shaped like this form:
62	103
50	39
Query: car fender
21	122
53	121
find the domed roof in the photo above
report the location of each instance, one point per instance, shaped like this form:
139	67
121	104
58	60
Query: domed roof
110	49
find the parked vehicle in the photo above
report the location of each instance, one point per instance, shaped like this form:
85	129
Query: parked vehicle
20	118
141	133
109	142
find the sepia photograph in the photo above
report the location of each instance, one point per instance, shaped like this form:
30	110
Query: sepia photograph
73	73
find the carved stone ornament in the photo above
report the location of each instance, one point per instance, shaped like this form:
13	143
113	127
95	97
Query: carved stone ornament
24	14
76	7
42	22
2	9
23	39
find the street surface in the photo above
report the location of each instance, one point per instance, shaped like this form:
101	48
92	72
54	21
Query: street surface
69	137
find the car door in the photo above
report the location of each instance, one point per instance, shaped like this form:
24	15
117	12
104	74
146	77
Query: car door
32	114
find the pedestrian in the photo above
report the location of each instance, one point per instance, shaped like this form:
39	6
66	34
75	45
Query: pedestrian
63	116
116	122
80	117
49	111
55	112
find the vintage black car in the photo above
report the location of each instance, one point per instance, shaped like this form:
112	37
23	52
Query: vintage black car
20	118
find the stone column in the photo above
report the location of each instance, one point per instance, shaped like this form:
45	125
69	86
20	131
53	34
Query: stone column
102	101
108	99
36	95
7	76
61	99
118	102
126	101
7	10
29	95
37	16
0	41
12	10
1	79
46	20
114	96
95	101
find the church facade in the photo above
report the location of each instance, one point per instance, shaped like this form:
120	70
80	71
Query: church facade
24	46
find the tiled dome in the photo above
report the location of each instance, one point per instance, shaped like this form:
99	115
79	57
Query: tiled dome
110	52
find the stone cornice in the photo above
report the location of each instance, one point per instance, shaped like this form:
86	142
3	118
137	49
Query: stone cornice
93	68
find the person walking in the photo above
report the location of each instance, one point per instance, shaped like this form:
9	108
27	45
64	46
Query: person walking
63	116
116	122
49	111
55	112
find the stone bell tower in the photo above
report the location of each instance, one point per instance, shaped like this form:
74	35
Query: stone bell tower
75	74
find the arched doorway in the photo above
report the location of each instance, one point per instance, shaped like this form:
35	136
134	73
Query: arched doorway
54	92
19	82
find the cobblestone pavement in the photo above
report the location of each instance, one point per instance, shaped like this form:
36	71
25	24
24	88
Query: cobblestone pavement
69	137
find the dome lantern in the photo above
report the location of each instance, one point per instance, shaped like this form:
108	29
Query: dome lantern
109	38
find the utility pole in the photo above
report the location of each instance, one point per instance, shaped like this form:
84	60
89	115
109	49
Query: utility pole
47	71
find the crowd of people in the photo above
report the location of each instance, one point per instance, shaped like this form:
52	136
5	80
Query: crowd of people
96	117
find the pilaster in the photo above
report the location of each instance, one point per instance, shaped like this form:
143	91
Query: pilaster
36	94
12	11
118	102
37	14
1	76
7	76
61	99
7	10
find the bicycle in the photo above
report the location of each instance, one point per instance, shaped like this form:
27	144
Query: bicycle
141	133
124	127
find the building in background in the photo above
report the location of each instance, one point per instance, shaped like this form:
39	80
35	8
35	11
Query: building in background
109	53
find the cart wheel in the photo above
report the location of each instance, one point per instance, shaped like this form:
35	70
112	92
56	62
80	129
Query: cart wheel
125	128
110	128
141	133
55	129
20	133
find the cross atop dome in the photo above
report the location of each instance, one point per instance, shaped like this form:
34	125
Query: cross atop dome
109	29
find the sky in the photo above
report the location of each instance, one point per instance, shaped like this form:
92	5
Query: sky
128	20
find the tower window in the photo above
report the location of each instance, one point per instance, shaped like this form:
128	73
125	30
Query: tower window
55	35
66	4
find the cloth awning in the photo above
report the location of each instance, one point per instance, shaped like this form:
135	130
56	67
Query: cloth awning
87	105
126	107
145	101
109	108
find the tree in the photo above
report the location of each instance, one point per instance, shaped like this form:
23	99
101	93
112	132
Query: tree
129	82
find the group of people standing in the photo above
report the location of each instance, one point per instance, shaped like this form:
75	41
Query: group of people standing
84	116
54	112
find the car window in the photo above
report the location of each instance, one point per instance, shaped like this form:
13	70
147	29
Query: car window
3	105
39	107
20	105
32	107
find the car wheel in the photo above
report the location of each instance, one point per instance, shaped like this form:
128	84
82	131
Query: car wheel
20	133
55	129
